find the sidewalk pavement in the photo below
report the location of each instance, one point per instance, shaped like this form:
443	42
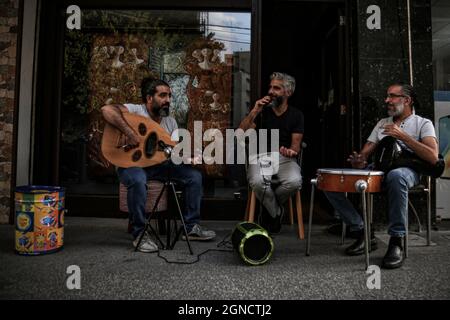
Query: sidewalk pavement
110	269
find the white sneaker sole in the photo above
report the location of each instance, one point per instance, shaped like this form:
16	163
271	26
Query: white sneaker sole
194	238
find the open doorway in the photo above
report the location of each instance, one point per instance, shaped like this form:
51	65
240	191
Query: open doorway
309	41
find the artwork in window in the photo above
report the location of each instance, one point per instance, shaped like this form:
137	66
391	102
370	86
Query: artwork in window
209	90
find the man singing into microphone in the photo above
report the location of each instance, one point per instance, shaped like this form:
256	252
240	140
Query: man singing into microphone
272	112
156	96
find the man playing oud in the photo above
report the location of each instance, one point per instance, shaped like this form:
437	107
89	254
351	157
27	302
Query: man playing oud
156	97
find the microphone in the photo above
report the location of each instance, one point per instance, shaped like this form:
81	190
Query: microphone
165	147
266	169
275	102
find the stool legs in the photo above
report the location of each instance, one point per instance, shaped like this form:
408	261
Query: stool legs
366	228
311	206
405	240
291	211
344	229
298	204
251	211
428	211
344	232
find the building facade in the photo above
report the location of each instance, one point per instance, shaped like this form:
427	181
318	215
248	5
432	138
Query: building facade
60	61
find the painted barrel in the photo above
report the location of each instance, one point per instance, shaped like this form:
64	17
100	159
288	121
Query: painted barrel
39	213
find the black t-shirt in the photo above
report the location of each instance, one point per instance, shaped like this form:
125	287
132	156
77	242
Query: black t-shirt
291	121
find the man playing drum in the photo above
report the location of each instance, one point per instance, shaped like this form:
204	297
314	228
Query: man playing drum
413	133
273	112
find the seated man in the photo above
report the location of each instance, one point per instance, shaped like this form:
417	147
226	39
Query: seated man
413	133
156	96
273	112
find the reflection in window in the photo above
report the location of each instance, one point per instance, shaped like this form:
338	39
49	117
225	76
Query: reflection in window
204	56
444	143
440	11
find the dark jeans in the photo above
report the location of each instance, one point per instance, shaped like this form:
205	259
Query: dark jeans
397	183
135	179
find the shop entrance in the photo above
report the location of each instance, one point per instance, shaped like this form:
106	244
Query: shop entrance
309	40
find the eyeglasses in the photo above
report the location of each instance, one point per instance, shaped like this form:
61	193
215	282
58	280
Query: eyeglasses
394	95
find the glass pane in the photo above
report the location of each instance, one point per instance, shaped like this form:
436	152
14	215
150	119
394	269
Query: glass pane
440	20
444	143
204	56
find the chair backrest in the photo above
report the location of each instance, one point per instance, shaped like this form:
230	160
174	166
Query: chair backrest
424	185
300	156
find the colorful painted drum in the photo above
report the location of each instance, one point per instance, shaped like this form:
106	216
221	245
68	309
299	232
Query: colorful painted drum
39	219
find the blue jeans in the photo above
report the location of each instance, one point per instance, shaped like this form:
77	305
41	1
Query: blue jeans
135	179
396	183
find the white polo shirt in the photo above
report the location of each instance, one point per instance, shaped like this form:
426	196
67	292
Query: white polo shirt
167	123
415	126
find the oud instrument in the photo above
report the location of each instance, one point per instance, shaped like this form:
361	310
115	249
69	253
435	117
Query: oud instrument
151	148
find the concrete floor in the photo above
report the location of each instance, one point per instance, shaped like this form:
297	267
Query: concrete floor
110	269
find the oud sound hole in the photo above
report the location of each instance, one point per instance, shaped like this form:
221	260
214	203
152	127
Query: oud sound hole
142	129
136	155
150	145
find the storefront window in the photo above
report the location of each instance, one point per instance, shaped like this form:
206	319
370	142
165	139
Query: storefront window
204	56
441	65
440	19
441	45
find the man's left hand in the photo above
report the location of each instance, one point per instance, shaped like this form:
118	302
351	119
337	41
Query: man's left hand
394	131
288	152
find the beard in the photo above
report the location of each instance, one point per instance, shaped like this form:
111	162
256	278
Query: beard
398	110
161	110
276	101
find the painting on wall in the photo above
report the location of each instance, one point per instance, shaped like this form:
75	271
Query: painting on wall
199	75
209	91
117	66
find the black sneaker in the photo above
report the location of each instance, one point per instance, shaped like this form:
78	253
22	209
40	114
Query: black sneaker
271	224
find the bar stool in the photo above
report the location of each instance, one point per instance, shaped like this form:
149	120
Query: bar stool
251	203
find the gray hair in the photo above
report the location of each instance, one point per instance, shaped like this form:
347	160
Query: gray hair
288	81
410	91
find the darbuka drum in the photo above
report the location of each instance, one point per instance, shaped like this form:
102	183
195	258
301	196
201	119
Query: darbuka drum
252	242
344	180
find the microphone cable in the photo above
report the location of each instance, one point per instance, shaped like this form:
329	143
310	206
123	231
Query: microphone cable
224	243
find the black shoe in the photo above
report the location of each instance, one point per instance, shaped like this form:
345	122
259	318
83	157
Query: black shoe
336	229
394	256
275	227
357	248
272	225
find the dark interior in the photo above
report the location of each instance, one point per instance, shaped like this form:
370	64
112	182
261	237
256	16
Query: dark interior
305	40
